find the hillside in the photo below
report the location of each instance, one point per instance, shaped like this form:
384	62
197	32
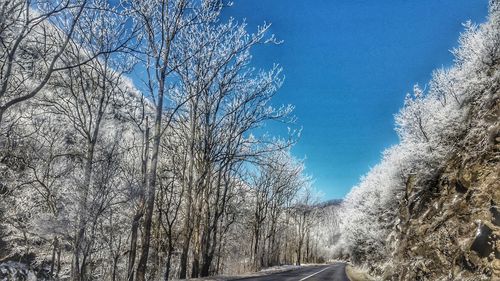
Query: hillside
448	227
429	209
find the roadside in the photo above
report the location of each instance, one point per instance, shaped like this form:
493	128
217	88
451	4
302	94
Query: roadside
355	274
262	273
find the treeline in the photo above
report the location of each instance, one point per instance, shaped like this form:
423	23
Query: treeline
455	110
102	179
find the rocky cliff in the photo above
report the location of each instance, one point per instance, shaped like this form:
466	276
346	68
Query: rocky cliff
449	225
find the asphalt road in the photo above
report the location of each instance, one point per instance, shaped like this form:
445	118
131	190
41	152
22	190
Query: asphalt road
330	272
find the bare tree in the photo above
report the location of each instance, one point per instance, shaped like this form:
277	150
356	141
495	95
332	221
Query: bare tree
275	186
33	38
160	21
94	89
304	215
228	101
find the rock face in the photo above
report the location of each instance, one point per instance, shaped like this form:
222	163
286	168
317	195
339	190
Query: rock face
449	226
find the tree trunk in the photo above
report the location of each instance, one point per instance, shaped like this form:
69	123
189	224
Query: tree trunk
169	253
58	262
79	269
188	225
115	266
133	246
195	266
184	257
148	218
139	213
53	260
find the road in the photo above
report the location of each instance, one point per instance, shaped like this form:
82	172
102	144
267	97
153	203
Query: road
330	272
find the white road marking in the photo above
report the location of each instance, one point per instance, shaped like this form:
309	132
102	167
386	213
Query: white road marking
307	277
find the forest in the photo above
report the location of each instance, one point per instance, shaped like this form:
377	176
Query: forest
102	179
134	146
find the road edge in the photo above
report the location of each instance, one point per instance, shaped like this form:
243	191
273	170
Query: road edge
356	275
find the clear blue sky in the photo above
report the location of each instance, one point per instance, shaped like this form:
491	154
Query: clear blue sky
348	66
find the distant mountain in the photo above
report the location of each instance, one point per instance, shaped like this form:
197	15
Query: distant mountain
331	202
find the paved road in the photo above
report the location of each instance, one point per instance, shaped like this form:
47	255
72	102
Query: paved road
331	272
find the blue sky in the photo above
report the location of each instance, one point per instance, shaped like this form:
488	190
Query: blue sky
348	66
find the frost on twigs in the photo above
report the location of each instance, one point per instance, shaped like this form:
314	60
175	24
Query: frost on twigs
416	210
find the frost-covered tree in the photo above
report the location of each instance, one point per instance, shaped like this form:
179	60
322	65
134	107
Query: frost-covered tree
431	124
104	179
35	37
